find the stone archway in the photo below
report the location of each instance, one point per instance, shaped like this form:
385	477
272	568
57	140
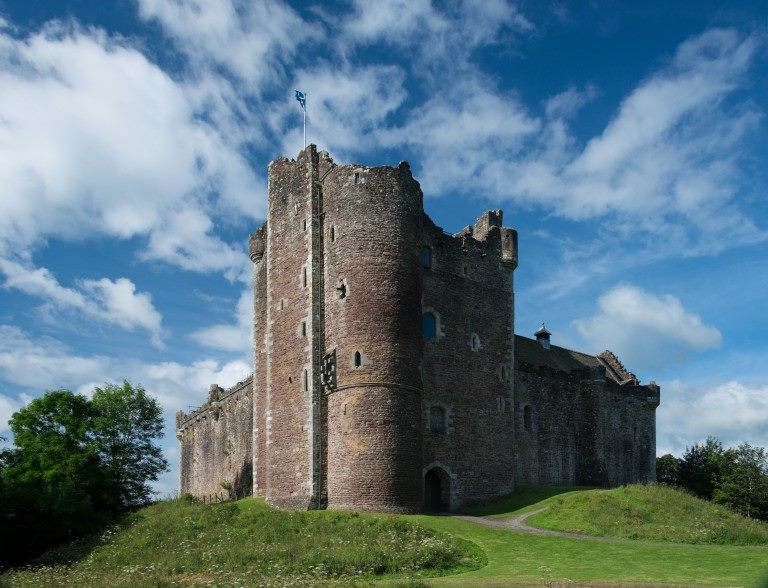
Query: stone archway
437	490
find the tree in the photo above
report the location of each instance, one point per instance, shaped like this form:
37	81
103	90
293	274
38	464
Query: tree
701	467
76	465
127	421
743	484
668	470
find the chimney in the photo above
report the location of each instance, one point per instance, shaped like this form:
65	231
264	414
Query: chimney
542	336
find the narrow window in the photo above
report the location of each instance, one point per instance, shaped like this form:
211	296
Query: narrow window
437	419
333	233
527	418
426	257
304	276
306	381
357	178
503	373
358	359
303	328
465	269
429	325
474	342
304	225
341	289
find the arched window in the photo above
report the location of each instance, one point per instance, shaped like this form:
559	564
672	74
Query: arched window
429	325
426	257
474	342
527	418
358	359
437	419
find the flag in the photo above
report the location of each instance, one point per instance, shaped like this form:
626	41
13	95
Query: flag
301	98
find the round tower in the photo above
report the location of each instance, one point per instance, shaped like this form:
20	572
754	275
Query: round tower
372	239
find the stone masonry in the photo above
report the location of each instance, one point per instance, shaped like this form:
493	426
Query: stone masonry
387	375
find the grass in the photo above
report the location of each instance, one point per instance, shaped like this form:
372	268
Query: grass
524	499
247	544
651	513
182	542
517	559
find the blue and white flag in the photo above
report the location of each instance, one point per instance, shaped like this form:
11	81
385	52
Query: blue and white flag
301	98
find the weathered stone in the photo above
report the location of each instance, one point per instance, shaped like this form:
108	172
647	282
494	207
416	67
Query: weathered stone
351	406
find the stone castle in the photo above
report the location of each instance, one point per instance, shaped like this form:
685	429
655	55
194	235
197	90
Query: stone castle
387	374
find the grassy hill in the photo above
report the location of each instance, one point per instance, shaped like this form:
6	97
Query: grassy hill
652	513
245	543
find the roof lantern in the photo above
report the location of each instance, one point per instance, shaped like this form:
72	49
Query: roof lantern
542	336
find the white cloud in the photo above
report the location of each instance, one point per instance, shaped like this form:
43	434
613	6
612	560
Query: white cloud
236	337
96	140
251	39
731	411
648	332
8	406
115	302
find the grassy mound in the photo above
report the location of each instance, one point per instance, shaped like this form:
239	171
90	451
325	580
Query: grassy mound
245	543
653	513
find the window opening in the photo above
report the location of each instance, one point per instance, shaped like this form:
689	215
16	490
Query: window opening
306	381
437	419
426	257
357	178
333	233
527	418
304	224
358	359
474	342
304	277
303	328
503	373
429	325
342	289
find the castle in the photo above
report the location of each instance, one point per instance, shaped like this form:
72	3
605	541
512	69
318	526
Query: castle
387	374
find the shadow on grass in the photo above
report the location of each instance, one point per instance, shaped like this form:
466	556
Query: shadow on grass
521	499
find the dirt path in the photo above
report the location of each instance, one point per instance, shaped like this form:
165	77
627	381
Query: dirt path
518	524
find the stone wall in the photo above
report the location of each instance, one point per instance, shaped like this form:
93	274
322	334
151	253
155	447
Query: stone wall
575	425
467	368
372	222
216	443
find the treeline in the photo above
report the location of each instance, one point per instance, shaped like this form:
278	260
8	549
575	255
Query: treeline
76	465
736	477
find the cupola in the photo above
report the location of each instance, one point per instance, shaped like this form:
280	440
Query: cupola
542	336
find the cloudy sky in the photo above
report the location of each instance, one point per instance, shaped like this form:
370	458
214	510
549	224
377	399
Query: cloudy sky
626	145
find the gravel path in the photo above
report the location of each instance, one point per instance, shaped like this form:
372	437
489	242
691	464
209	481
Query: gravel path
518	524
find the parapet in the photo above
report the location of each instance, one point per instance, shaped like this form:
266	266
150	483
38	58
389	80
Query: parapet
216	395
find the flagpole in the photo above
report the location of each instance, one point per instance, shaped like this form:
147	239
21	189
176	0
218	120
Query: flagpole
305	119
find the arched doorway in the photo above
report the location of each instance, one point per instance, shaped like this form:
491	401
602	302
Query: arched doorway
437	490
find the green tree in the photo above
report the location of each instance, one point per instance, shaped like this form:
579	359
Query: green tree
701	467
743	484
126	424
668	470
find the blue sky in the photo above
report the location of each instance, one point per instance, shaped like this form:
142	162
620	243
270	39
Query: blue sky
626	146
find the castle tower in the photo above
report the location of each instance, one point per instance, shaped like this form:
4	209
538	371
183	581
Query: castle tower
373	236
337	285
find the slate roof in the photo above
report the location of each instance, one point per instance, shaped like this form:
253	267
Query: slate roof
531	352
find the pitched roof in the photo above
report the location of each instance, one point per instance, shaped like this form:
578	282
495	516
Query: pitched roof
531	352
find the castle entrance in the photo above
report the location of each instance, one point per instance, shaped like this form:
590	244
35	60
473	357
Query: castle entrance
437	490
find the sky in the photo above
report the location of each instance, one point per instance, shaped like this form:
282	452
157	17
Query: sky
626	142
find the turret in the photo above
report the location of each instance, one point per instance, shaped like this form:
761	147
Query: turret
373	223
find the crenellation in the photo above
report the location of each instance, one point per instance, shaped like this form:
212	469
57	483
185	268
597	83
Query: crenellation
387	375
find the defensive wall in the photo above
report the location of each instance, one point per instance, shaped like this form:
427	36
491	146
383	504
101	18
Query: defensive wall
216	451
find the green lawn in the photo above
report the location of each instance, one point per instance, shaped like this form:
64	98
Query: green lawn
654	513
535	560
245	543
